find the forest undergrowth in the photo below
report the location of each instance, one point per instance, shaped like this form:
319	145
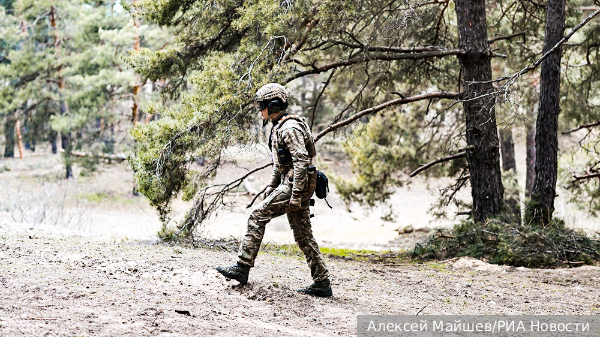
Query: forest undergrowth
529	244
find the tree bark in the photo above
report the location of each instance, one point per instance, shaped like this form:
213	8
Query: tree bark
64	108
530	161
481	130
19	137
136	87
541	206
511	195
507	149
53	136
66	145
9	132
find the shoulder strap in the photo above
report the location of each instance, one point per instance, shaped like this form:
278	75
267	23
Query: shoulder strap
310	147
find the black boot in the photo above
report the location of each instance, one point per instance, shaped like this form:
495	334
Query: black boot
319	288
238	272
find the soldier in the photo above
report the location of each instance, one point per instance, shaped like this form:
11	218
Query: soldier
292	149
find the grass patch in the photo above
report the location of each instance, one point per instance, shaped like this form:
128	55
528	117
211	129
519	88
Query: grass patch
341	253
348	253
100	197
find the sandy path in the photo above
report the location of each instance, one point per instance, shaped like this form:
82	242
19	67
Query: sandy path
77	287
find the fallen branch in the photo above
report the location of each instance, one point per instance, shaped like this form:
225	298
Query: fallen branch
200	211
437	161
440	94
583	126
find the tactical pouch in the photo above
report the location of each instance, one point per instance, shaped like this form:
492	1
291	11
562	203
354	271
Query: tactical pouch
284	155
322	187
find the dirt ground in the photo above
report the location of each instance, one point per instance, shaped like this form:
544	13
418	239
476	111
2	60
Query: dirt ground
81	258
53	286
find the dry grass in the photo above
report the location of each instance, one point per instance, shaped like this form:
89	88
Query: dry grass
101	204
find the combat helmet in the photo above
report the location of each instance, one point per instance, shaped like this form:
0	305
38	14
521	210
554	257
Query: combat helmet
273	96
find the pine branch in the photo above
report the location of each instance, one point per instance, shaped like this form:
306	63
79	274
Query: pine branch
206	202
312	120
376	57
383	49
583	126
506	37
399	101
437	161
512	78
585	177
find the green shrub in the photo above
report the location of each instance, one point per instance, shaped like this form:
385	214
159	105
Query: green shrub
500	242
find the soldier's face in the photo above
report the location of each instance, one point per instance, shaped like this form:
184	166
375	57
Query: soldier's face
264	114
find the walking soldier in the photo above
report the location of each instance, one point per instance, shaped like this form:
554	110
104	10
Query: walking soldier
292	184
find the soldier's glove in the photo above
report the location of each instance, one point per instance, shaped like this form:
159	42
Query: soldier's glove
295	203
268	191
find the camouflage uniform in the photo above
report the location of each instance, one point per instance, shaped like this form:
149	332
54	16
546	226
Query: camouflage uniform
286	178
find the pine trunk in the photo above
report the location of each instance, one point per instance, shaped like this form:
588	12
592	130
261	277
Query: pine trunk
9	132
136	87
511	192
19	137
65	136
530	161
53	136
481	131
541	205
508	150
66	145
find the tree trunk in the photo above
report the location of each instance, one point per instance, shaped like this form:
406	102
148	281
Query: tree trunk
138	79
64	108
508	149
66	145
481	131
513	210
530	161
19	137
9	132
541	206
53	136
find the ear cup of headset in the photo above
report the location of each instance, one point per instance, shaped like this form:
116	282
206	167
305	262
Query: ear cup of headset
276	105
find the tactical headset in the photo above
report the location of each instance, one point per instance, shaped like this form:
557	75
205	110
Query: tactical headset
275	105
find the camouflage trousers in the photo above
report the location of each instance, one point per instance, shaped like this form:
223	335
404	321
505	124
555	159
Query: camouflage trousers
277	204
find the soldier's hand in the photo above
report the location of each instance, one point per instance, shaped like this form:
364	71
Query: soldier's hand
268	191
295	203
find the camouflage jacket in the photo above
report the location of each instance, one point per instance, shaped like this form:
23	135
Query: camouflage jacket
292	135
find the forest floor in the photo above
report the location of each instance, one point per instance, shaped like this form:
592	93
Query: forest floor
57	286
81	258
